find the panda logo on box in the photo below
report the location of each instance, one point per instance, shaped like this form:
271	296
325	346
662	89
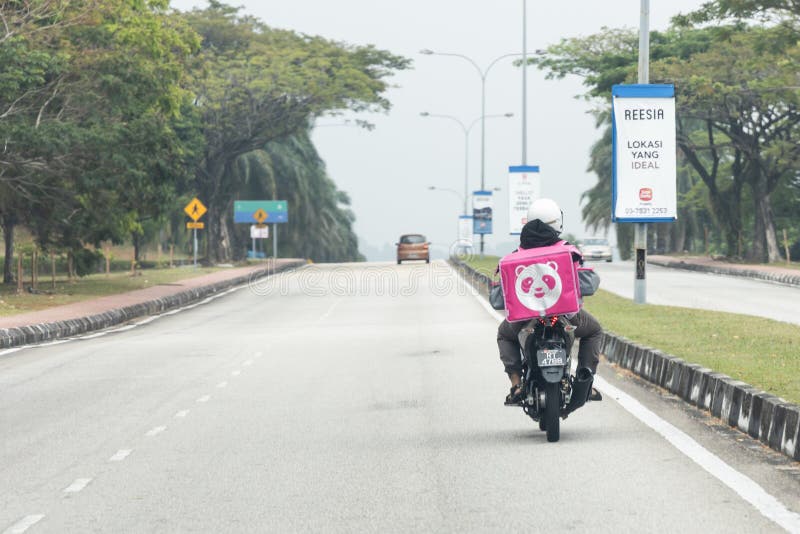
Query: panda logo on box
538	286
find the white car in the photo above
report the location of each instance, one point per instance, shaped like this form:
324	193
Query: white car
596	248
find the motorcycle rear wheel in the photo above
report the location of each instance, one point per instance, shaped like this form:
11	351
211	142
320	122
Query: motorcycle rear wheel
551	416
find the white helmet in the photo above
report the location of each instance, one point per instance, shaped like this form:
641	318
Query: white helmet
547	211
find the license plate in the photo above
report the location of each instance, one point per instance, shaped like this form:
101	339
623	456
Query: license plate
551	357
412	255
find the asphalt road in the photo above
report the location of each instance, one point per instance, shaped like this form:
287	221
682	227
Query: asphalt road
675	287
358	398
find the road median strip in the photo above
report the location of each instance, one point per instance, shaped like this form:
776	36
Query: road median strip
772	420
43	332
726	270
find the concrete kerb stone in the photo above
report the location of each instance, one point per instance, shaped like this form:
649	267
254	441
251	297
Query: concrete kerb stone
764	417
770	419
26	335
685	381
791	431
477	280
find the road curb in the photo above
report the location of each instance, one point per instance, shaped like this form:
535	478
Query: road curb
778	278
38	333
770	419
478	280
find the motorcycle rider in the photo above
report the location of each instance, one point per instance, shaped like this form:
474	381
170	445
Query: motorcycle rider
544	226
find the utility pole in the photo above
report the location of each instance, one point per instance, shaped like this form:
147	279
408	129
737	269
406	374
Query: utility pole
640	229
524	82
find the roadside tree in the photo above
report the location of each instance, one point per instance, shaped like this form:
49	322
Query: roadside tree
255	85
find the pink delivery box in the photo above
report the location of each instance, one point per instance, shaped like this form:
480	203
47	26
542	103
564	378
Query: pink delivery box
540	282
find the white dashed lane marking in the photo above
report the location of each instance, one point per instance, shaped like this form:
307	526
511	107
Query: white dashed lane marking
182	413
155	431
222	385
24	524
120	455
258	354
236	373
247	363
204	398
78	485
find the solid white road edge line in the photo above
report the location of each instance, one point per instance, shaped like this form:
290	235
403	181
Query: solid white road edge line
78	485
24	524
745	487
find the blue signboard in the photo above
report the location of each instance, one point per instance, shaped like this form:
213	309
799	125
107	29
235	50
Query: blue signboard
482	212
260	211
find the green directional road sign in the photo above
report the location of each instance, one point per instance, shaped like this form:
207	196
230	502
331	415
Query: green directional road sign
249	211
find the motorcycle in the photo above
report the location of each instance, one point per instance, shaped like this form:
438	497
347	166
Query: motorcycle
550	391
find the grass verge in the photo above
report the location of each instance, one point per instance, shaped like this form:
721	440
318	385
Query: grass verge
761	352
88	287
485	265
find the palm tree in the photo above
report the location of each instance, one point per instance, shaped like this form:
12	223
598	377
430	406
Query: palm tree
320	221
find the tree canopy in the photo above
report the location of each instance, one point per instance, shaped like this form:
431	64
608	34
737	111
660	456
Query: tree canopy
255	85
737	117
114	112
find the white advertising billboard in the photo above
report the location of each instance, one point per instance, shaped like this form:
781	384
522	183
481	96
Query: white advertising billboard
524	186
644	186
465	231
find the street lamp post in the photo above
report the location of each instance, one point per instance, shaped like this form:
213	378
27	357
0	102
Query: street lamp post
483	73
466	129
524	82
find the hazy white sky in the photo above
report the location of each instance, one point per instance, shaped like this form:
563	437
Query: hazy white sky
387	171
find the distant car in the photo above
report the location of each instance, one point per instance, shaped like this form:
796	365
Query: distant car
596	248
413	247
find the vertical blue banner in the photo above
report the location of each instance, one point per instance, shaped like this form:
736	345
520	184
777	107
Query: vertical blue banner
482	212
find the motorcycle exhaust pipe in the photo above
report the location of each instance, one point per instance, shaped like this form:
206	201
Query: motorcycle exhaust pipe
581	389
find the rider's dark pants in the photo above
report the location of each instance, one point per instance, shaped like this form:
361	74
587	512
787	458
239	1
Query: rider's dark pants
587	329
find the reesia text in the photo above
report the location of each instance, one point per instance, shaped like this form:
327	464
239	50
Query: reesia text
644	114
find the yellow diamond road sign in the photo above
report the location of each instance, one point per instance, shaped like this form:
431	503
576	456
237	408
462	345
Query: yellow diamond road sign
260	215
195	209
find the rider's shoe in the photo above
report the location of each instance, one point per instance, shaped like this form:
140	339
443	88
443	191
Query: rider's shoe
514	397
595	395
